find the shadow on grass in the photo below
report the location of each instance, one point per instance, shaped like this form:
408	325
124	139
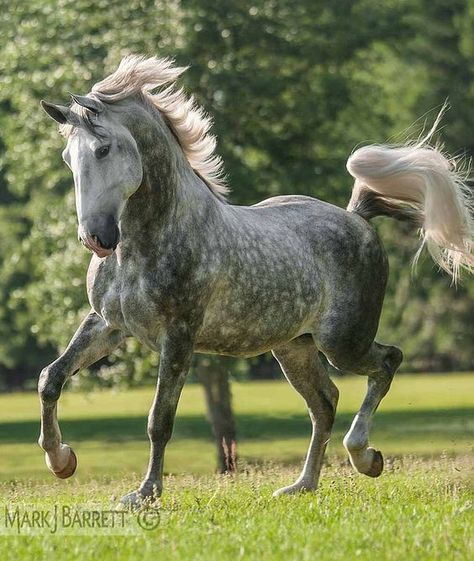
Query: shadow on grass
416	425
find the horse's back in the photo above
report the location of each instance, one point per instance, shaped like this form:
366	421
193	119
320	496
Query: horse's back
335	234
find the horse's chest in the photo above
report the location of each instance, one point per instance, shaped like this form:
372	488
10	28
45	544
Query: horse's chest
124	302
141	313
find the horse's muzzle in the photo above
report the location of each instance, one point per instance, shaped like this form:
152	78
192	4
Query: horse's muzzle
100	234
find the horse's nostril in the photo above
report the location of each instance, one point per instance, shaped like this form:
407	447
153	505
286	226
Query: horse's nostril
94	238
107	244
100	233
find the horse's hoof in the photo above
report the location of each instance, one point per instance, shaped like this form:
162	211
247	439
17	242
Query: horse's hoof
131	501
377	463
69	468
294	489
136	500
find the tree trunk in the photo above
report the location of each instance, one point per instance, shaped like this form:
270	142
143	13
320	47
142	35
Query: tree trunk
220	415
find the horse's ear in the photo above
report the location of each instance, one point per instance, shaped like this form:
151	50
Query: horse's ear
59	113
89	103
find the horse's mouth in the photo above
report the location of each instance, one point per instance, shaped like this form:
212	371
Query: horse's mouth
92	243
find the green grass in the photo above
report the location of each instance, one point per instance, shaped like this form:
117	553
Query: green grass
420	508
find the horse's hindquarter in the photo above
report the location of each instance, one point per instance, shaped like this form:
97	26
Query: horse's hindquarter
287	261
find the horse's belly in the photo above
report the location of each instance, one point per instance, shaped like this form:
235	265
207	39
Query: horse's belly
227	340
241	346
246	328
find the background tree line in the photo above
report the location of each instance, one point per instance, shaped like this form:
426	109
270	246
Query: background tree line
293	87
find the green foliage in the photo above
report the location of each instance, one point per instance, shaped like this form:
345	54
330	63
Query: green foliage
292	87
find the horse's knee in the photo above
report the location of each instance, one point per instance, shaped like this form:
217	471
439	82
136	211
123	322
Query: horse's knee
159	430
49	385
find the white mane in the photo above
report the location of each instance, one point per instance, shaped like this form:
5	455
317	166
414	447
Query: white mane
188	121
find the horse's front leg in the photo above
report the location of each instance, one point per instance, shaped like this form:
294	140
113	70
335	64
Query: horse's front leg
92	341
175	360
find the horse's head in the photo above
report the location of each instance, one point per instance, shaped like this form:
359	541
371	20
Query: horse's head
106	165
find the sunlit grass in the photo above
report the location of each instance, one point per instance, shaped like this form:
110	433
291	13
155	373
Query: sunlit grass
423	415
419	509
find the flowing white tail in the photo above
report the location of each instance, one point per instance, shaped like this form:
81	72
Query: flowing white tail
420	184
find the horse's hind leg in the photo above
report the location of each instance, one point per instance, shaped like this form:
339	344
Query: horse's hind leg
381	363
302	367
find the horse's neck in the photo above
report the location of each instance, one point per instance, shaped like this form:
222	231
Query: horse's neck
171	197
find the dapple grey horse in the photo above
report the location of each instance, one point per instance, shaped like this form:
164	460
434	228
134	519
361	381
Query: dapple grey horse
182	270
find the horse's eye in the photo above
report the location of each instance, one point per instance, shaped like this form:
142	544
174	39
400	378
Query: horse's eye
102	152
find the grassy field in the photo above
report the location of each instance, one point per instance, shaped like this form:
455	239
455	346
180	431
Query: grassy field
420	508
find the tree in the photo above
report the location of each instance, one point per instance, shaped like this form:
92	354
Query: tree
293	87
